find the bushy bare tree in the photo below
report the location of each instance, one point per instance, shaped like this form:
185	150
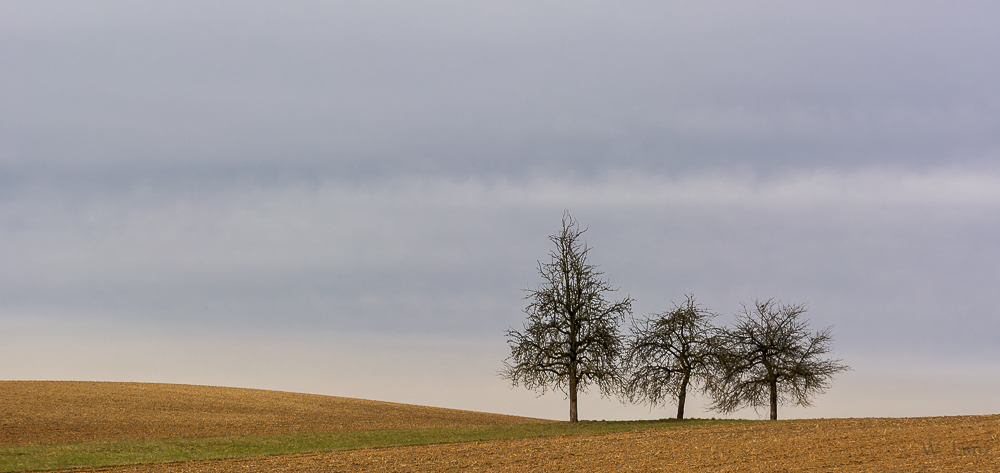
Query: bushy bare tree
770	358
669	352
571	336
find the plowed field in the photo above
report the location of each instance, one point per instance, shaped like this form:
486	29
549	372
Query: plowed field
38	412
861	445
970	443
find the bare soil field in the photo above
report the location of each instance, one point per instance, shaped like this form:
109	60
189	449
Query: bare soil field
868	445
961	443
39	412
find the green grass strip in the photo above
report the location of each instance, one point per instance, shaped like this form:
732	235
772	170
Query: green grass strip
127	452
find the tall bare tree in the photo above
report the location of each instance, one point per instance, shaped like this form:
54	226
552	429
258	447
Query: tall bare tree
571	336
669	352
770	358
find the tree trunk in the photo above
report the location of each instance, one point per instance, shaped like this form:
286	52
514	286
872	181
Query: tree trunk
682	396
774	399
572	394
574	380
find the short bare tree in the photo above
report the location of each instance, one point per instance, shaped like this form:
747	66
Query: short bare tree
670	352
770	358
571	337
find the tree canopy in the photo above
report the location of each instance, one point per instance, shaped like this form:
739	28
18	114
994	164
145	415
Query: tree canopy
771	358
571	336
669	352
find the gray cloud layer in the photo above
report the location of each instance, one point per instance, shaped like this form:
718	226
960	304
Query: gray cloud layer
354	89
180	171
437	255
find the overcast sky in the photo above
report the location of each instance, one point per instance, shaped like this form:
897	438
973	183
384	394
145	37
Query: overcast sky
350	198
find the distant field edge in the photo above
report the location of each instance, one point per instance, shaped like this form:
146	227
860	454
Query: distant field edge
110	453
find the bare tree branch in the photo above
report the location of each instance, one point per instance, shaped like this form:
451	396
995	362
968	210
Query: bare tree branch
670	352
770	358
571	336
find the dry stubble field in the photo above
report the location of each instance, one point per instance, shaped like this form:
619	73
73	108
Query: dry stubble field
59	412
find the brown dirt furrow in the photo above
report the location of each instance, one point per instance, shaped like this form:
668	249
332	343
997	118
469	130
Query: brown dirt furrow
967	444
38	412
